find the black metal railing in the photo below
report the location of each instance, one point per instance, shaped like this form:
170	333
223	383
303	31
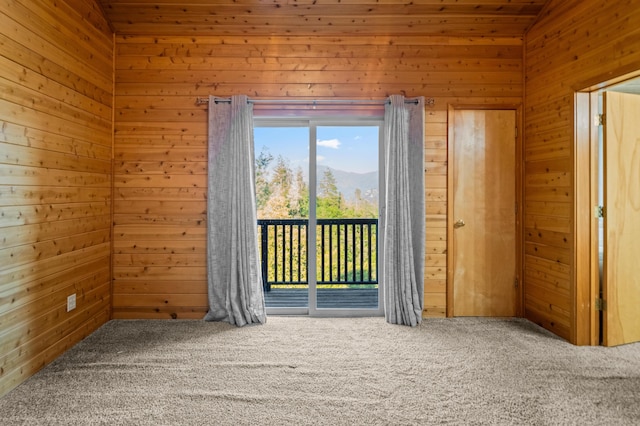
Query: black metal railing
346	251
283	251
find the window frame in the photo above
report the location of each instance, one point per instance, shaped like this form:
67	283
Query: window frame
312	123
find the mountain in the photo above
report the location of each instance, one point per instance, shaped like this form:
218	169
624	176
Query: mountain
348	182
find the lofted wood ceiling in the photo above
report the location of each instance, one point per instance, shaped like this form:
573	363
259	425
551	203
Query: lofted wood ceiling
322	17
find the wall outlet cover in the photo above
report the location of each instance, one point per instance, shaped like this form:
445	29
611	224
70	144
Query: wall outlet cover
71	302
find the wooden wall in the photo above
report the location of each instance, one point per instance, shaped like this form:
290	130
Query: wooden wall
56	93
574	45
56	149
160	137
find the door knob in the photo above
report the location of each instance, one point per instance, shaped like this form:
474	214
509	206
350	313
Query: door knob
458	224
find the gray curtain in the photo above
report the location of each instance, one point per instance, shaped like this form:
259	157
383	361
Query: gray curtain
233	266
404	233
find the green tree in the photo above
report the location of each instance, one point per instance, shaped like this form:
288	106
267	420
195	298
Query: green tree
299	205
362	205
279	203
329	200
263	189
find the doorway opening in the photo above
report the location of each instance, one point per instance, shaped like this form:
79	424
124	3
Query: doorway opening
318	191
608	212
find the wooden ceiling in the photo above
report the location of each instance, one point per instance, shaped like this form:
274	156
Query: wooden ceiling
321	17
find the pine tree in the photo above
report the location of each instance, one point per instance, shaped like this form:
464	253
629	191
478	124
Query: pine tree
279	202
299	196
263	190
329	203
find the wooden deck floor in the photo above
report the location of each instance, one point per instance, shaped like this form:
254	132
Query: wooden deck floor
342	298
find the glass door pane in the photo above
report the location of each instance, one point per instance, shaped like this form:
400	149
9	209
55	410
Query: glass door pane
347	196
282	201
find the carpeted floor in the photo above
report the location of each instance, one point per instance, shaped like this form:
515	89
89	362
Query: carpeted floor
308	371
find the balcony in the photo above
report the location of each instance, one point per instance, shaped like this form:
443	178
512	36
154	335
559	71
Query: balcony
346	262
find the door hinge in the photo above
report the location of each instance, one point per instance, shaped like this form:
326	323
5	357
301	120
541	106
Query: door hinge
516	132
599	211
516	282
599	120
601	305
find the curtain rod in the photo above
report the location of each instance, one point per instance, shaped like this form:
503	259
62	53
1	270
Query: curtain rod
313	102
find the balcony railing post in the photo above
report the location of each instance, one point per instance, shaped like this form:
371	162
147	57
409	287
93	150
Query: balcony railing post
264	255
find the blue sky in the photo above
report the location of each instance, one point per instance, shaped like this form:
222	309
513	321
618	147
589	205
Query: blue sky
347	148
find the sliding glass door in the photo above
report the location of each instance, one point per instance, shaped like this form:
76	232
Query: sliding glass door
282	201
347	196
318	188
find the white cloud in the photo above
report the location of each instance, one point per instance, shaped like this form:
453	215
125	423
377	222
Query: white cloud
329	143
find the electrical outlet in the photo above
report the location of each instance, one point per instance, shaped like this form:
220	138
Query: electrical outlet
71	302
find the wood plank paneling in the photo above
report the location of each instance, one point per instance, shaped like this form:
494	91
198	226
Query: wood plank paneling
323	17
61	218
160	139
56	140
574	45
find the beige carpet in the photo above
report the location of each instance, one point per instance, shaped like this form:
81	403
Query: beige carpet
305	371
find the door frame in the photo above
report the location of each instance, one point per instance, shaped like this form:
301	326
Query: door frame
311	123
586	326
519	202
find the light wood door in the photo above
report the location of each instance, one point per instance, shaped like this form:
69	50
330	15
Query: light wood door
483	258
621	284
